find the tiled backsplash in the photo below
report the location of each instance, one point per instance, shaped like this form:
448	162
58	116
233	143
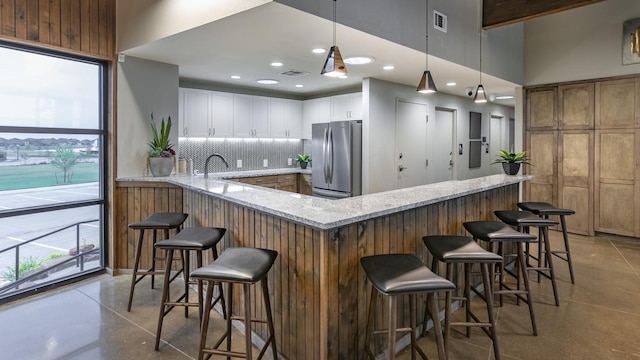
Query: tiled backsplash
252	152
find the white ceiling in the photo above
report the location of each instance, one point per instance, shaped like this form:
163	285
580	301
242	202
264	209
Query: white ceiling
246	43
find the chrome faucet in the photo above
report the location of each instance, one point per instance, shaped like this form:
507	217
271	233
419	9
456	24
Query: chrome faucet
206	163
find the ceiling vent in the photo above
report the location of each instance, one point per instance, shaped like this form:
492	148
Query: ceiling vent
440	21
294	73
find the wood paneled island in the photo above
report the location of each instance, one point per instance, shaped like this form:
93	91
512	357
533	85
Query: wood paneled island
318	288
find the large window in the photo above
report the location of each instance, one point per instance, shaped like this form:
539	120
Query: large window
52	156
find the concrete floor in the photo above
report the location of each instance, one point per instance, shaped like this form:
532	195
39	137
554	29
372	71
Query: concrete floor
598	317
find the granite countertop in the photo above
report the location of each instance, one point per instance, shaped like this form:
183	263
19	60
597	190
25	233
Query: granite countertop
324	213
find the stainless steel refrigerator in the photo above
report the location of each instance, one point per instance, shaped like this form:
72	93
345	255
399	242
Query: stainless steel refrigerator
336	155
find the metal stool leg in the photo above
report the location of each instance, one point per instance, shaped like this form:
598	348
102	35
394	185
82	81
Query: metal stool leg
165	295
565	237
136	265
488	294
525	277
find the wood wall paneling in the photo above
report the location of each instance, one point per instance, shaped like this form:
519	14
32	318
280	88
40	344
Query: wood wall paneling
503	12
575	178
616	104
79	26
542	149
576	106
541	109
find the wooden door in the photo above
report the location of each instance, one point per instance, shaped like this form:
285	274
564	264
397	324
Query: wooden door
575	178
576	106
617	105
541	109
617	188
542	150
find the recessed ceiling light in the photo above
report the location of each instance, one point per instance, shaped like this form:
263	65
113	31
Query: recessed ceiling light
276	63
504	97
343	76
388	67
452	83
299	85
235	77
318	51
358	60
267	81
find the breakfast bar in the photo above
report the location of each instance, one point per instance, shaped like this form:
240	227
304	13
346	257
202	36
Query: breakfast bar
319	290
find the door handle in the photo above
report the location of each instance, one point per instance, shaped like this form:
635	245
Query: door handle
401	167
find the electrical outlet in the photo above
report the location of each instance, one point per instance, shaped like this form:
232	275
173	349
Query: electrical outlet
265	163
289	161
239	164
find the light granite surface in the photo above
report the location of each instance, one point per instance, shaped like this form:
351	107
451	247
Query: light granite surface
327	214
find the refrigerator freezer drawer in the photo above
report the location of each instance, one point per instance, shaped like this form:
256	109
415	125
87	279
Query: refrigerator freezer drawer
329	194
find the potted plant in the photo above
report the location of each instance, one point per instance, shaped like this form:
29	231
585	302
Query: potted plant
303	159
161	153
511	160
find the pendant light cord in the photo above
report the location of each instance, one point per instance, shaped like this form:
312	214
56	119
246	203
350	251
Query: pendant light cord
481	55
426	47
334	22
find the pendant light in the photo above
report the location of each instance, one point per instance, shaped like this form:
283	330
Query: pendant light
334	65
480	90
427	85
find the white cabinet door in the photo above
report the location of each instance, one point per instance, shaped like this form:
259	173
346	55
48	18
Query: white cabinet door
347	107
260	116
196	113
285	118
221	115
242	124
315	111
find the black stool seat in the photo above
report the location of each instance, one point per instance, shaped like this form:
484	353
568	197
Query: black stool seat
197	239
496	231
239	265
400	274
462	249
451	249
165	220
523	218
242	266
545	210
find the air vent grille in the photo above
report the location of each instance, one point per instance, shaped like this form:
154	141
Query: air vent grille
440	21
294	73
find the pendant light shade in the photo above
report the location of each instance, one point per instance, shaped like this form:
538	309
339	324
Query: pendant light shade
480	96
427	85
334	65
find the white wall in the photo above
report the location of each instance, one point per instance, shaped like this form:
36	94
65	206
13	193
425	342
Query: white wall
379	160
578	44
142	21
144	87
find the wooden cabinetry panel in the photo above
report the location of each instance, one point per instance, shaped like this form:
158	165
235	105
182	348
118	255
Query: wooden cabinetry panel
575	178
304	184
542	149
541	108
616	156
576	106
616	209
616	104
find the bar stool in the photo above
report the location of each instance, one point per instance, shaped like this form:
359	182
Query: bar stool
498	232
523	220
156	221
403	274
544	210
244	266
452	250
197	239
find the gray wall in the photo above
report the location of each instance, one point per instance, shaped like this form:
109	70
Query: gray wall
380	97
579	44
403	22
144	87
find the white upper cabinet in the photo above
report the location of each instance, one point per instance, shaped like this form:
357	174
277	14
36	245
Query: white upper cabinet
315	111
206	113
347	107
221	115
250	116
285	118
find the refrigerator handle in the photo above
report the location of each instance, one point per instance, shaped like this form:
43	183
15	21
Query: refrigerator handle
330	162
325	170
